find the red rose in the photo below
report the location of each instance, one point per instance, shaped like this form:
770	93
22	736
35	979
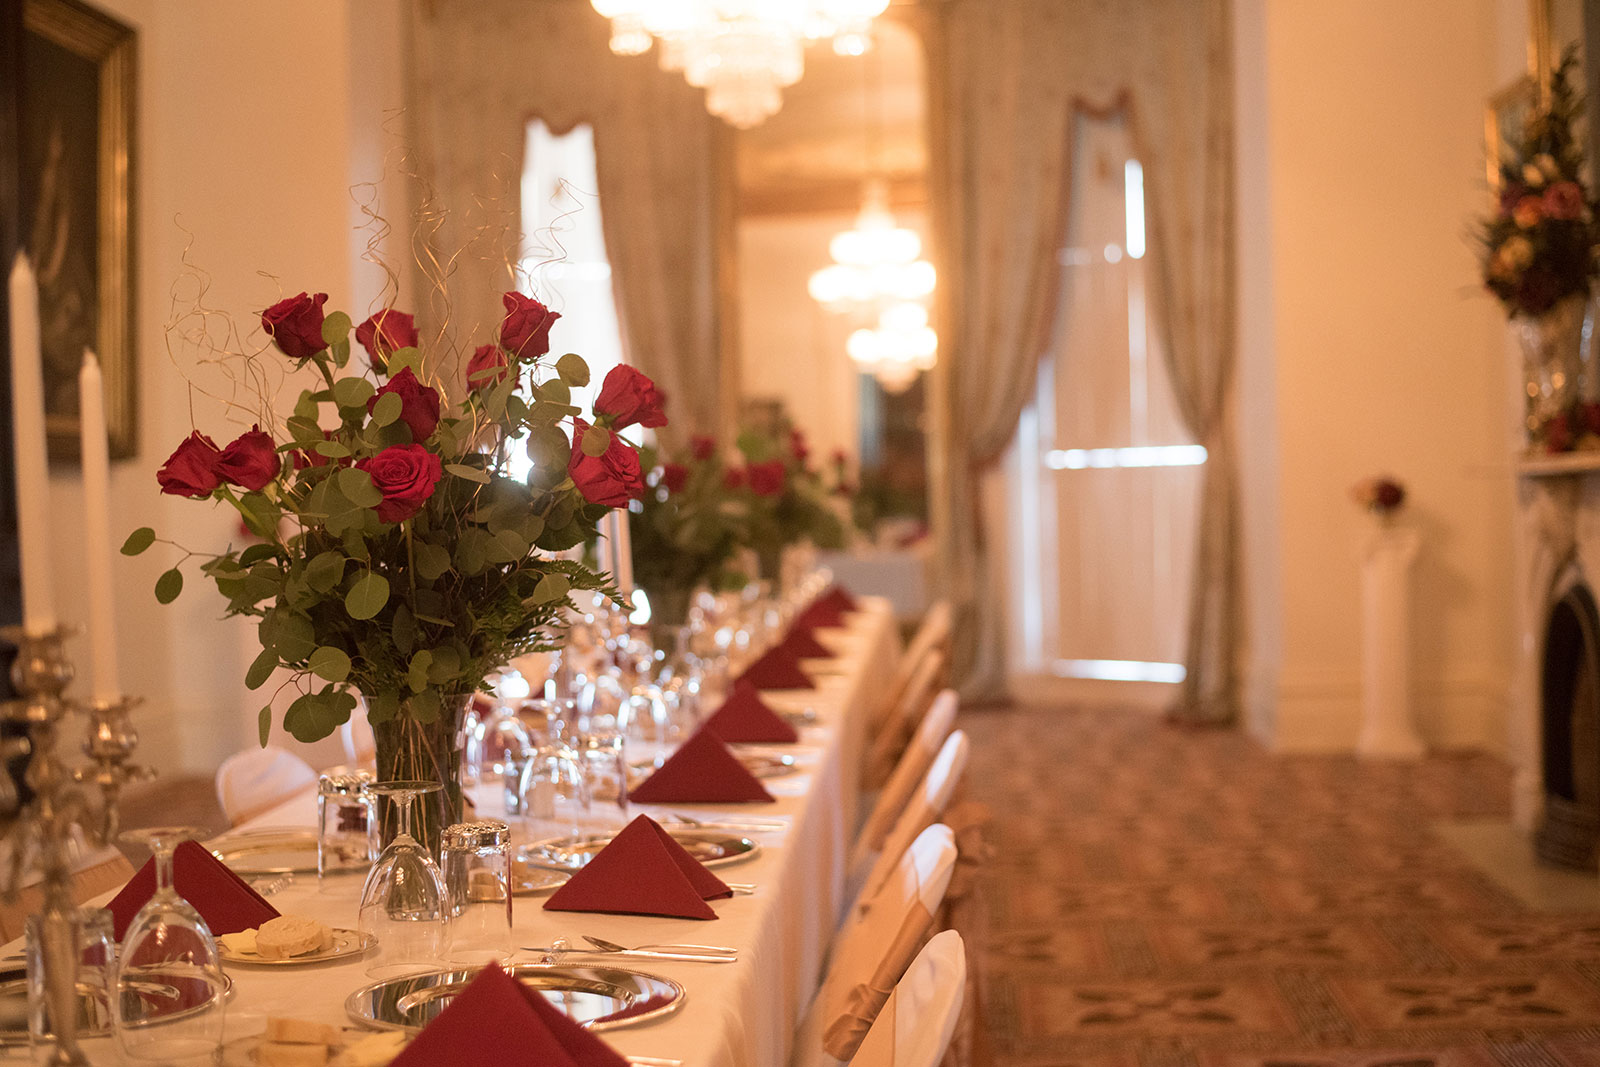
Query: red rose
406	476
191	470
630	397
702	447
525	331
797	446
419	404
674	476
295	325
611	478
1564	200
733	478
480	368
766	479
382	334
250	461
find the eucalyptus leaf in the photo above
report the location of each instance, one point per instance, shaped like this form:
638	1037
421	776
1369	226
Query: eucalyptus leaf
432	560
335	327
471	474
387	409
417	674
264	724
573	370
551	587
325	570
357	487
507	546
331	449
138	541
596	439
330	664
383	707
367	596
425	706
352	392
169	585
261	669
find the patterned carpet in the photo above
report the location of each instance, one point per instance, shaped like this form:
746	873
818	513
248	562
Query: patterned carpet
1169	898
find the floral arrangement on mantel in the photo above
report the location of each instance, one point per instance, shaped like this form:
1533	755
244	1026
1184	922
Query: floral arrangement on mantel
786	499
1538	259
686	530
398	560
1382	496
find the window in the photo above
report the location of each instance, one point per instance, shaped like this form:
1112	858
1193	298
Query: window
563	257
1105	477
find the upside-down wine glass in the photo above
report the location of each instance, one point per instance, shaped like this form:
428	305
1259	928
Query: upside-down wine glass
403	904
170	987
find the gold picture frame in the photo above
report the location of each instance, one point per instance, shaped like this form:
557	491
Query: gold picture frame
77	89
1503	119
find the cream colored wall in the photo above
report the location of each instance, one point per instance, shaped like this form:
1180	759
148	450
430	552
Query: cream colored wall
790	348
254	120
1366	348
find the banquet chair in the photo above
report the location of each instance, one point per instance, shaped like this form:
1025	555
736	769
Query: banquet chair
871	952
896	732
915	1025
925	808
252	781
897	791
934	633
96	873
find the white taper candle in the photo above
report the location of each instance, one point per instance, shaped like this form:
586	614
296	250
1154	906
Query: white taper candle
96	529
32	464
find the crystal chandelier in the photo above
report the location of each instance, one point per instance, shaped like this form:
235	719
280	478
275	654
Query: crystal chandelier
743	53
878	273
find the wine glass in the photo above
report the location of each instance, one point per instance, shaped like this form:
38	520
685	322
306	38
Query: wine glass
403	903
170	986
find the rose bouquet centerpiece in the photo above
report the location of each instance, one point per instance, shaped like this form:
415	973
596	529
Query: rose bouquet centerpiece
686	530
1538	257
398	559
785	498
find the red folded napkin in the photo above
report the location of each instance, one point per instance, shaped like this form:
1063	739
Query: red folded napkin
643	871
702	771
499	1022
839	596
743	717
777	669
804	644
828	609
224	900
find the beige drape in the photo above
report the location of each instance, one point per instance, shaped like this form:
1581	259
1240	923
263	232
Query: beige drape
482	69
1006	81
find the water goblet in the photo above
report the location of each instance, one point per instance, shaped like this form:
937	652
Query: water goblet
169	986
404	905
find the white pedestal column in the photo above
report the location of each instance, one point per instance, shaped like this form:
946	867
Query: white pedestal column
1386	729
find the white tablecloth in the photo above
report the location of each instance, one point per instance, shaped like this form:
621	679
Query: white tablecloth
735	1015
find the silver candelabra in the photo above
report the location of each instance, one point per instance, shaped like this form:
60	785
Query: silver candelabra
67	802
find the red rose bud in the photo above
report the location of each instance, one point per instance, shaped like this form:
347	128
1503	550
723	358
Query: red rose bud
1563	200
384	333
406	476
733	478
630	397
191	470
674	476
797	446
295	325
481	367
612	478
702	447
419	404
766	479
250	461
525	331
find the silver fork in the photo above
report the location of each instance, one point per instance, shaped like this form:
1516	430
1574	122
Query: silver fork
709	950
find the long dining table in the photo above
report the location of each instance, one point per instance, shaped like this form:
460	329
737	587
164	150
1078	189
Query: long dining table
741	1014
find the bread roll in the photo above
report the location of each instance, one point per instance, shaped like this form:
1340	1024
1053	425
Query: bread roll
373	1050
291	935
242	943
299	1032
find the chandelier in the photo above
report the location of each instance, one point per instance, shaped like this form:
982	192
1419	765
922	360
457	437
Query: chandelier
743	53
878	274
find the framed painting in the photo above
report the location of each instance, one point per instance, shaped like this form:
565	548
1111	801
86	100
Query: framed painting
75	172
1503	120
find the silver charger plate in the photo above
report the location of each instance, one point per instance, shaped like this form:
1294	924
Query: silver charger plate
568	854
596	998
278	851
94	1013
346	942
759	764
532	880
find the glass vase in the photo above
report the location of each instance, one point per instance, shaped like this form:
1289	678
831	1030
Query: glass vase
1553	346
411	750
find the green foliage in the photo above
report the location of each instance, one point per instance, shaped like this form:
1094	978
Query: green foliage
688	538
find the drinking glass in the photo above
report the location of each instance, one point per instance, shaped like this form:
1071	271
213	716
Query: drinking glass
347	821
170	985
602	753
477	876
97	960
404	905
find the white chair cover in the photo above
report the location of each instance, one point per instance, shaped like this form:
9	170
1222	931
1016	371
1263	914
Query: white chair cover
934	633
916	1024
254	780
896	731
919	755
926	807
874	947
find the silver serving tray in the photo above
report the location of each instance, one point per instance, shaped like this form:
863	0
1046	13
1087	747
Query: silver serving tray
596	998
278	851
568	854
94	1019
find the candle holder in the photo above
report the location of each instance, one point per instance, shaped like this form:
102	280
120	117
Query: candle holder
66	802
